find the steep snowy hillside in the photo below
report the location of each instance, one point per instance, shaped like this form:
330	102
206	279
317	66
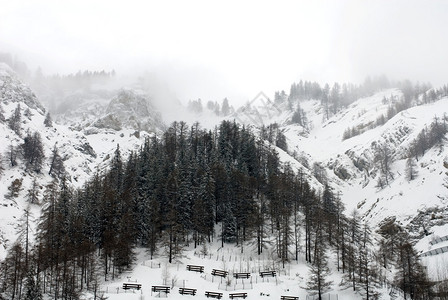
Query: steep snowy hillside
127	109
352	167
82	155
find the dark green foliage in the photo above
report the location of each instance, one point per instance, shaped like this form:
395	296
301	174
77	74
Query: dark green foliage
57	168
173	192
32	288
33	151
15	120
48	122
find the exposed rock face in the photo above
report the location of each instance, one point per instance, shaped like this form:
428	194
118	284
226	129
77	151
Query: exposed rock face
12	90
131	110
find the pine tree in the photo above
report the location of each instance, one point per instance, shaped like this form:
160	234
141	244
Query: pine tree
48	122
14	189
33	151
48	233
57	168
32	286
33	192
12	155
411	276
2	168
352	248
15	121
14	271
365	271
173	234
2	114
411	169
225	108
24	232
318	274
384	159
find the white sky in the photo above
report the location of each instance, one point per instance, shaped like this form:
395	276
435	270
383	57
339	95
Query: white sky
212	49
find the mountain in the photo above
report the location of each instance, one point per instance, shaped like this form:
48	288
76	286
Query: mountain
14	90
351	165
362	152
127	109
343	151
82	154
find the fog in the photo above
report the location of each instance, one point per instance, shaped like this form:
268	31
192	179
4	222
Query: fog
211	50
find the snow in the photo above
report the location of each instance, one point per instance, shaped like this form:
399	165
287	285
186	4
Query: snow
403	199
289	281
321	143
71	144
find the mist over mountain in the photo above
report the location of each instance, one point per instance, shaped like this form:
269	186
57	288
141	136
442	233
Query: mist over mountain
373	154
288	150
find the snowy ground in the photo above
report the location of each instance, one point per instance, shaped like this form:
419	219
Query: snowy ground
290	281
323	144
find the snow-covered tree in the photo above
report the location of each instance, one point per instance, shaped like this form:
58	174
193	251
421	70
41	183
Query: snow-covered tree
384	159
15	120
319	271
2	114
57	168
33	192
411	169
48	122
225	108
32	289
33	151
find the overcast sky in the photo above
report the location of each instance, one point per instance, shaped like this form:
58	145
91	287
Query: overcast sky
210	49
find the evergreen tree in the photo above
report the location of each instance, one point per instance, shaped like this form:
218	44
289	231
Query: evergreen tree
15	120
365	271
173	233
57	168
411	169
48	122
318	274
32	289
33	192
33	151
384	159
2	114
14	189
24	233
225	108
2	168
12	155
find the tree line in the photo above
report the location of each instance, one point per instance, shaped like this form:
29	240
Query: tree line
188	187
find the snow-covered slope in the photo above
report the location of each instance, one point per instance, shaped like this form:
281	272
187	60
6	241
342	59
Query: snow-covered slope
87	135
83	155
95	112
419	204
